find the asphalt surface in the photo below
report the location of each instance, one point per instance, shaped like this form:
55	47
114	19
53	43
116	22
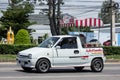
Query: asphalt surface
10	71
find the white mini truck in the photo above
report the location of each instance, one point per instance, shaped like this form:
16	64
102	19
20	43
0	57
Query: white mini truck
61	51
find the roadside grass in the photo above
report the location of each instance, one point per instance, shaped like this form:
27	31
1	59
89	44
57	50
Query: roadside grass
116	57
7	57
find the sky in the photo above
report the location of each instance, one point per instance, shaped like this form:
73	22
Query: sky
77	8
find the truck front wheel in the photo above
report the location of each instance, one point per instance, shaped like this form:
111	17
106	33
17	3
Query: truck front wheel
43	65
97	65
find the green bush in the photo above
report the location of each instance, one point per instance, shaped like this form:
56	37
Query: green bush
13	49
22	37
111	50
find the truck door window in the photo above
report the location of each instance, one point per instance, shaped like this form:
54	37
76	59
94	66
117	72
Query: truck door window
49	43
68	43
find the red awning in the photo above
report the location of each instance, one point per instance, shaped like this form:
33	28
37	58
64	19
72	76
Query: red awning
89	22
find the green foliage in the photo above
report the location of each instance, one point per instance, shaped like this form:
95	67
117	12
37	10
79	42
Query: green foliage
17	15
84	29
45	36
22	37
13	49
111	50
3	31
65	30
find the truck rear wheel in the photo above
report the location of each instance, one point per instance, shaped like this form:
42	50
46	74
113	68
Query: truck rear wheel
43	65
97	65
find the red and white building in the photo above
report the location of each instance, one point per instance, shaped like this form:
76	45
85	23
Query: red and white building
69	21
89	22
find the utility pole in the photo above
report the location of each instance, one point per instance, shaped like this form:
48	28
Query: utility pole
113	41
111	7
9	2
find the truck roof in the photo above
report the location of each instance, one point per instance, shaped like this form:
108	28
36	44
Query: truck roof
64	36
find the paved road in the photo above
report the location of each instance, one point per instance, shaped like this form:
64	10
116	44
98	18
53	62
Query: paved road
13	72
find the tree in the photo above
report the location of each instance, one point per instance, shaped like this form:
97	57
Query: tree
16	15
3	31
105	13
54	17
53	14
22	37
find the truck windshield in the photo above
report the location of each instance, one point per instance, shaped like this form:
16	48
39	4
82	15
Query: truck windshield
49	43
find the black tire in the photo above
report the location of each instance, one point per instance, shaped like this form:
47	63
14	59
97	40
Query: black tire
43	65
79	68
97	65
27	69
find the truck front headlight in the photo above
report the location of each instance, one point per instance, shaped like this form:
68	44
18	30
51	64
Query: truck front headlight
30	56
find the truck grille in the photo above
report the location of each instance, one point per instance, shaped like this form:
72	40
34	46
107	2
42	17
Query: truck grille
23	56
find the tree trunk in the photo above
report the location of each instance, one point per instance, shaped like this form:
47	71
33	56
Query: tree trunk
51	19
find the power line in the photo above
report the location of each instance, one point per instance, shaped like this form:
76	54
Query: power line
91	1
75	7
85	12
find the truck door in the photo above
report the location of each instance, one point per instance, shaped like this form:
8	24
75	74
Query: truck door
67	52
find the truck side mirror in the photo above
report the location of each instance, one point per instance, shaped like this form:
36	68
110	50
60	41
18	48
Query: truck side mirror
49	46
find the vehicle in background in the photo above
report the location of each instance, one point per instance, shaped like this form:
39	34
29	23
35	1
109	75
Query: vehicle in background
107	43
93	43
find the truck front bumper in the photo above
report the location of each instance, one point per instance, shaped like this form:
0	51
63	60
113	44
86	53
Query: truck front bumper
26	62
